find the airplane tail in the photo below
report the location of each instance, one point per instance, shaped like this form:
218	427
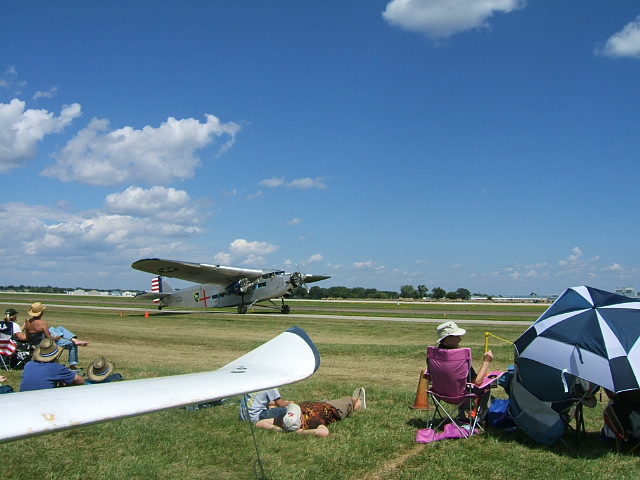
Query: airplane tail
159	290
160	285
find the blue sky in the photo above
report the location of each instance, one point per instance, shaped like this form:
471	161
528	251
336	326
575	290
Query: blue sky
491	146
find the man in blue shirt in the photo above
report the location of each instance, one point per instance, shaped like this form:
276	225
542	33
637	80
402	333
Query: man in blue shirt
44	371
260	405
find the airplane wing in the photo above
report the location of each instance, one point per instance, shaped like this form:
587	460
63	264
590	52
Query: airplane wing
196	272
288	358
151	295
308	278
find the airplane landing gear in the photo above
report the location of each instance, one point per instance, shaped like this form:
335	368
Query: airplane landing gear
242	309
285	308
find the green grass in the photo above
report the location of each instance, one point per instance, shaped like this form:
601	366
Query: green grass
384	357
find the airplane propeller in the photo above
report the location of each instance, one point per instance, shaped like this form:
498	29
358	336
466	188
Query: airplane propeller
296	279
299	279
244	285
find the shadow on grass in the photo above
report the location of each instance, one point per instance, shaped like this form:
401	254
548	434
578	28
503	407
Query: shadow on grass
584	446
418	423
210	311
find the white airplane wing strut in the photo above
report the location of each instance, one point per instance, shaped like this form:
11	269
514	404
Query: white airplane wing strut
288	358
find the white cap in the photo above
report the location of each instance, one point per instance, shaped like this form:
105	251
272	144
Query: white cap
292	420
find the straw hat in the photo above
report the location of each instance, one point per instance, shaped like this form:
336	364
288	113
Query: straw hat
37	309
47	351
100	369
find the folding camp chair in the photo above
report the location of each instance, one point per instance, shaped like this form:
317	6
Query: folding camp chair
533	416
8	346
14	354
451	393
581	393
5	362
564	393
23	354
623	418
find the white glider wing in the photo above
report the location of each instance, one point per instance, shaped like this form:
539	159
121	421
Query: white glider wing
196	272
288	358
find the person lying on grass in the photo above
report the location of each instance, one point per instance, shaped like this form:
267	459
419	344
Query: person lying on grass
312	418
264	404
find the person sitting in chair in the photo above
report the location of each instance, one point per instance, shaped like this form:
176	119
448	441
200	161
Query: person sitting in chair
13	341
44	371
11	322
449	337
38	329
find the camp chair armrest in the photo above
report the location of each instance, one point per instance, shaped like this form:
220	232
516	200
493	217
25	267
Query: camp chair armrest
490	378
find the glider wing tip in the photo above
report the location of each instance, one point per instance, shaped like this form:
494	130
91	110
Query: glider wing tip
305	336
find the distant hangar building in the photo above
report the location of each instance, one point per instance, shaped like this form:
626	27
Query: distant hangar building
628	292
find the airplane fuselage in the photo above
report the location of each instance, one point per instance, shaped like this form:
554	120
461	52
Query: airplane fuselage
214	296
219	285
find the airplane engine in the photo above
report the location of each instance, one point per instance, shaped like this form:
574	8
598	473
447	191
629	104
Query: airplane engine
241	287
296	279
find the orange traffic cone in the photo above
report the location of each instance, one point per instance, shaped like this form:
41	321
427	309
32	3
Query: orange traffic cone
146	314
121	314
422	399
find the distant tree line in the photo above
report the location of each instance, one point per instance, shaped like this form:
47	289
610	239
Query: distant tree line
406	291
314	293
32	289
48	289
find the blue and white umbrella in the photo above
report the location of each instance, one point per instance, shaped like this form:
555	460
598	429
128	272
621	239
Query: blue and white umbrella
589	333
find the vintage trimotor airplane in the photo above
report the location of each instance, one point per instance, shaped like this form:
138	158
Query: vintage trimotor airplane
220	286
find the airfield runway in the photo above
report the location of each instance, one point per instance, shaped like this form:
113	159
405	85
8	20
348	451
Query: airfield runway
336	316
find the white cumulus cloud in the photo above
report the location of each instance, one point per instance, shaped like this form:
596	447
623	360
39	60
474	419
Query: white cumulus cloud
443	18
244	247
299	183
361	265
316	257
99	156
168	204
625	43
246	252
272	182
21	130
63	236
573	258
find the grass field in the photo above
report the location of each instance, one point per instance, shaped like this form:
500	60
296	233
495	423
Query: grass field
385	357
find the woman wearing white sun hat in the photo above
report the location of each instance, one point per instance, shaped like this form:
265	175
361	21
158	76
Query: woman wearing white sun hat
449	336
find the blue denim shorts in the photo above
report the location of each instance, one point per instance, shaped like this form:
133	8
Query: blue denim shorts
273	413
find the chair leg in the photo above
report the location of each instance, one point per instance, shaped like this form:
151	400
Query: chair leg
6	362
441	412
580	428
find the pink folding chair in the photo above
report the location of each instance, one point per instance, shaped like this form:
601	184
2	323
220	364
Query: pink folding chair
451	393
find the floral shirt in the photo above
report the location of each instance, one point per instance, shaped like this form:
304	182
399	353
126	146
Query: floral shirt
315	414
